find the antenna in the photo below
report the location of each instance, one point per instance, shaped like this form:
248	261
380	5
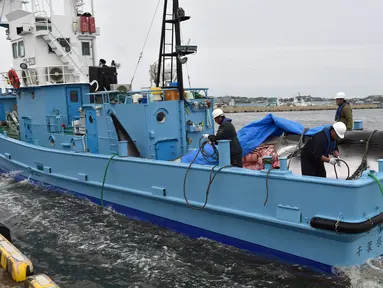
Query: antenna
179	50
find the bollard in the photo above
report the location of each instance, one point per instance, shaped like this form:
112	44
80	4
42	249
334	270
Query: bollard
224	152
78	147
36	142
267	160
380	165
5	133
123	148
358	125
283	164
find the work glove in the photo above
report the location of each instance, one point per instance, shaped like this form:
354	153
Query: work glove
333	161
205	136
338	162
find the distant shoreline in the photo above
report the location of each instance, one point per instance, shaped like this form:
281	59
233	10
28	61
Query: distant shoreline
230	109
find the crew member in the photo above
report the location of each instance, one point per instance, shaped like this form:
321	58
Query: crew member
344	111
102	63
319	147
226	131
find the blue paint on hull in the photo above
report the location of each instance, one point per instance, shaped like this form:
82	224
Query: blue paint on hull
189	230
235	214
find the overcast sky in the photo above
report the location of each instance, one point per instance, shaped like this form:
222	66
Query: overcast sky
253	47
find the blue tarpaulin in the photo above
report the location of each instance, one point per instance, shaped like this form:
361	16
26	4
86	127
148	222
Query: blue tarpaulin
254	134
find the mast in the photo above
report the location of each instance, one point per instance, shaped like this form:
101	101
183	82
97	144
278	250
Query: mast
179	50
161	44
176	14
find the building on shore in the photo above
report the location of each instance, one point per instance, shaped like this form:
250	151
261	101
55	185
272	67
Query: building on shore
297	101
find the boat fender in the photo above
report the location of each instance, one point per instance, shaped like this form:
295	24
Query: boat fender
16	264
14	78
346	227
39	281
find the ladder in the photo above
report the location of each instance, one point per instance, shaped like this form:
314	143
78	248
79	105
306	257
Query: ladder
177	50
168	48
71	58
111	135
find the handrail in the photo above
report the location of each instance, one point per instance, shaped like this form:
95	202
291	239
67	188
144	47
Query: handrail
40	70
46	17
145	91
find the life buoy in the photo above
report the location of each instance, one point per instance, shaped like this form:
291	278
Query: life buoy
14	78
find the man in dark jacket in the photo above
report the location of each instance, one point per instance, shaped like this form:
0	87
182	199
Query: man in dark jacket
226	131
102	63
317	150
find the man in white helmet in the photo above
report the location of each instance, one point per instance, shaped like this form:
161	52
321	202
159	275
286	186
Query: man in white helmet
226	131
344	111
318	149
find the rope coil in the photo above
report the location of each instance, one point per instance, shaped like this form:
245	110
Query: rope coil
363	164
214	155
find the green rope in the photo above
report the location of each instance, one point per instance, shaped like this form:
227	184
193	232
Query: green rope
377	181
103	181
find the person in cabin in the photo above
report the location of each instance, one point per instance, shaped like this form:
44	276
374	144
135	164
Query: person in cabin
226	131
318	148
102	63
344	111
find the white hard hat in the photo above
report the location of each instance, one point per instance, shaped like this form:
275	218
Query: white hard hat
340	128
340	95
217	112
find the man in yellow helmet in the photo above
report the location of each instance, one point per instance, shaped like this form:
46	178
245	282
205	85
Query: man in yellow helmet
226	131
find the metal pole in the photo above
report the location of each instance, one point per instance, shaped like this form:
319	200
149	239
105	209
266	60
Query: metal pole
33	5
94	48
178	42
161	44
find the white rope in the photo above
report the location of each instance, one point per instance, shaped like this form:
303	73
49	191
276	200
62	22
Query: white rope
143	47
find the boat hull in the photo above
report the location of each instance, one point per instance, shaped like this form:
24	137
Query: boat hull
152	191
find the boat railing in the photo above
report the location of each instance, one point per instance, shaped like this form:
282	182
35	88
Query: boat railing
42	75
145	95
41	23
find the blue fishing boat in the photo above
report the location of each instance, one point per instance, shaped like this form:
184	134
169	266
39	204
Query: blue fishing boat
72	127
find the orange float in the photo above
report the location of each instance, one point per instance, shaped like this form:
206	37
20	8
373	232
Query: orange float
14	78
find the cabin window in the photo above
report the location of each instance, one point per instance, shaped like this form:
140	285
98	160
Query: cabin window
73	96
14	50
85	48
21	49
